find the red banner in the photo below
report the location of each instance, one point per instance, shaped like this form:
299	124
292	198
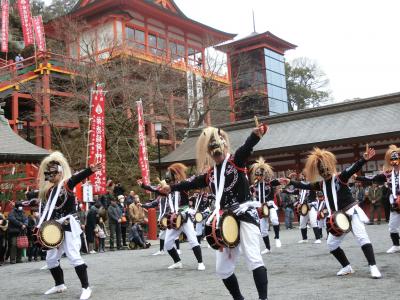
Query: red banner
39	33
97	150
26	21
143	159
4	25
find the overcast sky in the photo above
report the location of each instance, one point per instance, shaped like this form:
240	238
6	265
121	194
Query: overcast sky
355	42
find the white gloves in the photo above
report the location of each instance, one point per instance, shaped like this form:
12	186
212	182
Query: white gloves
191	211
243	207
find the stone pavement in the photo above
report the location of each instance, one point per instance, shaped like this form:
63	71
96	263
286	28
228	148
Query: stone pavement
295	271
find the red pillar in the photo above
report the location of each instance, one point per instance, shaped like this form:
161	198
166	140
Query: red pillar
231	94
46	111
152	217
38	117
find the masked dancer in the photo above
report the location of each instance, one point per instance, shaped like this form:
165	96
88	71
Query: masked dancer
161	202
391	175
227	180
338	198
56	185
263	189
308	198
178	203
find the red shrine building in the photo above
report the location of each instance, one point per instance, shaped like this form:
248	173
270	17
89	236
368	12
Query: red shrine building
153	32
249	72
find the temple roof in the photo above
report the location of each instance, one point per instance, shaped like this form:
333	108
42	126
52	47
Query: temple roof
262	39
168	8
355	121
14	148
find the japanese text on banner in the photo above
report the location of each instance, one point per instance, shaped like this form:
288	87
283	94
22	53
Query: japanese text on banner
4	25
24	10
97	151
143	158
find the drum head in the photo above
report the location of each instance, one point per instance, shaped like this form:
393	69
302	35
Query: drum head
178	222
265	210
230	230
342	221
51	234
304	209
164	221
198	217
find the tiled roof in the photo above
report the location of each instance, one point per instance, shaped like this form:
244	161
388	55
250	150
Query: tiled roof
14	148
329	125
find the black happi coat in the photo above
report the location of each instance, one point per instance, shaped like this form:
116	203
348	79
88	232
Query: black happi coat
268	190
66	202
236	188
344	196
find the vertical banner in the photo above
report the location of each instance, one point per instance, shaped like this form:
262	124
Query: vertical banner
39	33
192	107
143	159
97	150
24	10
199	96
4	25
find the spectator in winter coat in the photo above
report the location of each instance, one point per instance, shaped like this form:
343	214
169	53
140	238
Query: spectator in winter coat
3	237
18	223
114	223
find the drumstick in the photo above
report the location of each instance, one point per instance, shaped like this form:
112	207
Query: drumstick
256	121
366	148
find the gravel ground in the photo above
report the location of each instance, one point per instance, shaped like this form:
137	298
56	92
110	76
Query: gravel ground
295	271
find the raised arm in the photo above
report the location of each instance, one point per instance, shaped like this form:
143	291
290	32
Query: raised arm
244	151
80	176
354	168
350	171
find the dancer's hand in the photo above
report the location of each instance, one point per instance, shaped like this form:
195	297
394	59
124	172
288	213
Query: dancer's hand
139	182
261	130
369	153
165	189
284	181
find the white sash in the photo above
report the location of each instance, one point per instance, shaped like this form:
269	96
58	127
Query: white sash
198	200
51	203
219	188
165	208
302	196
259	192
334	194
394	184
174	206
176	198
321	205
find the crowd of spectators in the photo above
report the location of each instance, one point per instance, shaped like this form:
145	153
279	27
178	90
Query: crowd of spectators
116	216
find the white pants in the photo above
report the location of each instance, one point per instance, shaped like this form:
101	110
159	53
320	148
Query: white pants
249	245
322	223
264	226
161	235
71	246
394	222
172	234
311	216
358	230
264	222
199	228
